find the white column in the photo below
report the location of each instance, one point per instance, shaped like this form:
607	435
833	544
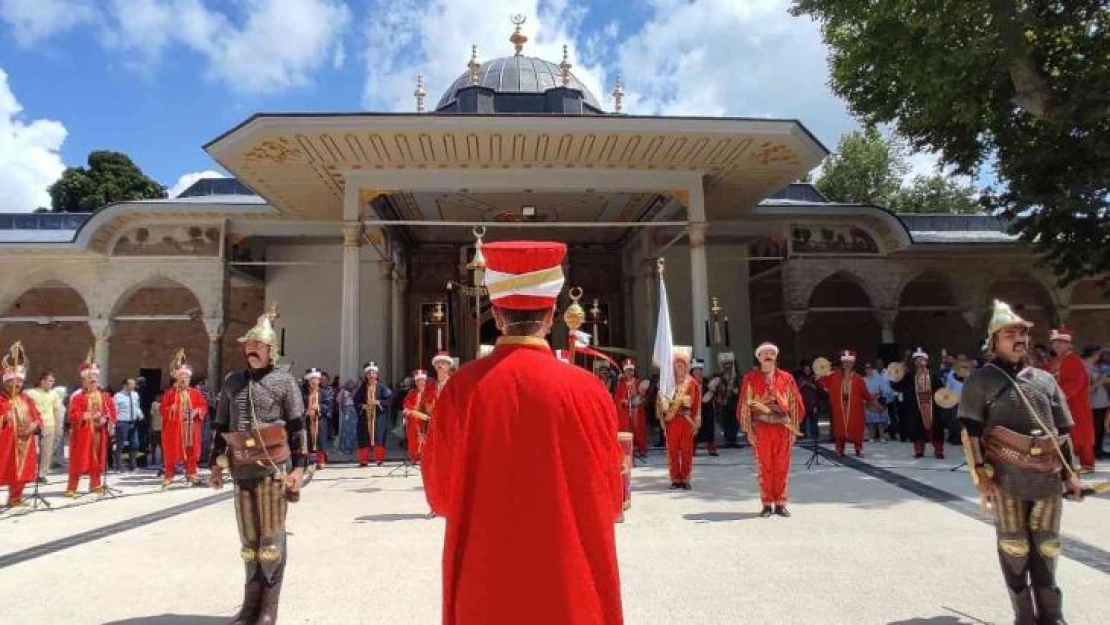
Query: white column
399	327
102	337
699	286
887	317
349	313
385	359
215	330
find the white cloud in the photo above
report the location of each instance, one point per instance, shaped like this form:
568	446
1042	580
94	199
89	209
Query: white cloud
29	158
187	180
32	21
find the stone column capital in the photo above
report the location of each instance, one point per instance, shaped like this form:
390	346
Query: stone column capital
214	328
696	231
352	234
887	316
101	329
796	319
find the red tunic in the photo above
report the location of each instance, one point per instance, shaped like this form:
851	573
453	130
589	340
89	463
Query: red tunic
522	459
631	417
1071	374
772	442
174	447
85	428
18	454
681	429
847	395
424	403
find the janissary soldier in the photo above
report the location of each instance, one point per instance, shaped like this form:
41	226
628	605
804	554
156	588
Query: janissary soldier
726	396
372	405
522	446
418	407
1073	378
444	365
629	398
92	414
848	395
770	411
183	412
1015	429
259	436
681	416
318	404
19	423
921	416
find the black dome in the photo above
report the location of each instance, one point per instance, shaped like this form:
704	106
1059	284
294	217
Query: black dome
518	74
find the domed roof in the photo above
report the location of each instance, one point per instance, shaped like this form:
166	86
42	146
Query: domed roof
518	74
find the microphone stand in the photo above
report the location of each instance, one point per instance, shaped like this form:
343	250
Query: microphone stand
38	500
104	488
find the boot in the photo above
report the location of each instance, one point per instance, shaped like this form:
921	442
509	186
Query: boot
1050	606
1023	606
252	601
271	594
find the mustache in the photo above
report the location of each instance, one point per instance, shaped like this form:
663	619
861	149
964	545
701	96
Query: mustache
254	355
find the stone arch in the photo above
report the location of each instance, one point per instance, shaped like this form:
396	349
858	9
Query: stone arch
1029	297
209	302
146	344
1088	314
54	345
930	316
48	275
841	315
879	280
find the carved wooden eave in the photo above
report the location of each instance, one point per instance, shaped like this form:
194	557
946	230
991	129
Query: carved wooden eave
297	162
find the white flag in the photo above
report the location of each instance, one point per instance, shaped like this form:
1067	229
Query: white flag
663	354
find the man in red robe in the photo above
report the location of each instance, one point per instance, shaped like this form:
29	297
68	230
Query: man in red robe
1071	374
681	416
418	406
847	394
770	411
629	398
522	459
19	423
445	366
92	413
183	412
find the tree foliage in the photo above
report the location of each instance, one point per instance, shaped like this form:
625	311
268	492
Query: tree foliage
868	168
1023	83
110	177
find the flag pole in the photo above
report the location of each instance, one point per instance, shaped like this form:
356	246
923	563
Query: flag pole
574	317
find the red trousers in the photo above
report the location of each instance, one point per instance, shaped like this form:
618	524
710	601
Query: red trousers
94	479
15	492
680	448
321	457
412	439
773	446
639	433
364	454
192	456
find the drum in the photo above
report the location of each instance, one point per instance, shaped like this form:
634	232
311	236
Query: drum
625	440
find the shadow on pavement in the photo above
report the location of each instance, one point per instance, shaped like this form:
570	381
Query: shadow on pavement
720	517
936	620
171	619
390	518
366	490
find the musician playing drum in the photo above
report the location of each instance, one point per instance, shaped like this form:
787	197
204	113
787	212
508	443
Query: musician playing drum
1015	432
183	412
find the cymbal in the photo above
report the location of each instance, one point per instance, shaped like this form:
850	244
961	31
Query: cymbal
946	398
822	367
895	371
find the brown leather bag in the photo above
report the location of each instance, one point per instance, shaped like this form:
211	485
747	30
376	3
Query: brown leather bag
261	447
1032	453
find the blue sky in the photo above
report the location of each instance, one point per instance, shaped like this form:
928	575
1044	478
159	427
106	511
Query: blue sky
156	79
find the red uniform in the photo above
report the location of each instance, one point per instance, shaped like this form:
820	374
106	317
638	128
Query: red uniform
416	428
630	412
1072	376
772	442
179	444
90	416
522	459
847	394
18	451
681	429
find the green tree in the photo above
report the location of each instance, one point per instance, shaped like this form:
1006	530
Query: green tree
866	169
110	177
936	194
1026	84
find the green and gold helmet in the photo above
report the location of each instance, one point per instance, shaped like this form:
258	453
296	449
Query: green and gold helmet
1002	316
264	332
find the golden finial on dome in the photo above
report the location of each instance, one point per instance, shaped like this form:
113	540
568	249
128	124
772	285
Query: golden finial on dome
474	65
420	93
565	66
618	95
518	38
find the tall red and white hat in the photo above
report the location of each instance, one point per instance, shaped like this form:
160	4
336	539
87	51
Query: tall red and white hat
628	364
15	363
847	355
443	357
179	366
89	367
524	275
419	374
920	353
313	373
1060	334
684	352
766	346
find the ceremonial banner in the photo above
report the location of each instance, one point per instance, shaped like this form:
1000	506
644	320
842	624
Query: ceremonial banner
663	354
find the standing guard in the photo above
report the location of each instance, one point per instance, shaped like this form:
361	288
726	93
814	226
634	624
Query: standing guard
92	416
183	412
848	395
372	404
921	416
318	404
1015	433
629	398
769	412
259	435
20	422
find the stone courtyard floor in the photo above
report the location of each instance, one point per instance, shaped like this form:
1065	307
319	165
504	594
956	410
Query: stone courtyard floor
886	539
